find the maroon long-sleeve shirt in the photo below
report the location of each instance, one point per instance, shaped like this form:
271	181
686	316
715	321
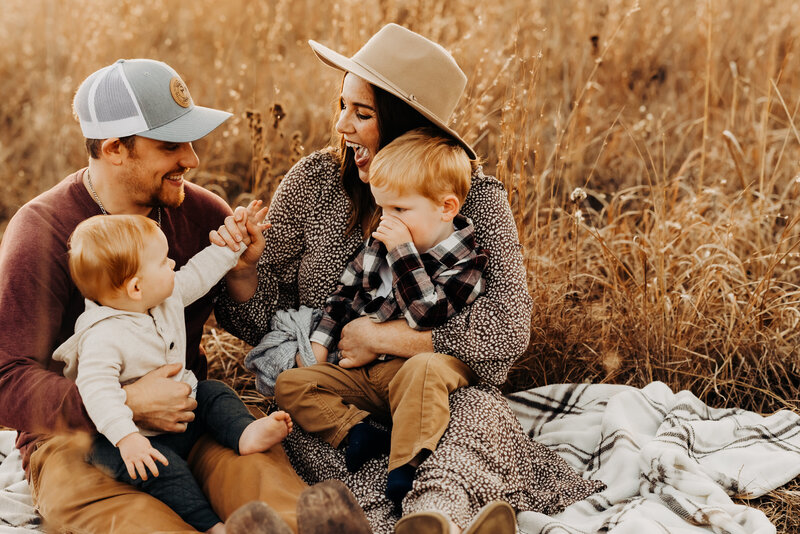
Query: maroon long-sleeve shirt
39	303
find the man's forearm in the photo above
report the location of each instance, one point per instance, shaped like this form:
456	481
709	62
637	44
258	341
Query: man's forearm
39	401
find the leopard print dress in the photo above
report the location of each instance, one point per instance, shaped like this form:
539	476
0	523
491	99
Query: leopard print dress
484	455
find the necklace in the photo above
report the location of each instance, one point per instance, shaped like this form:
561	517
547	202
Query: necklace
100	204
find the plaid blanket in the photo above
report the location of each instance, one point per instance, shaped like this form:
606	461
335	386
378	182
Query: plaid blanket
17	514
670	462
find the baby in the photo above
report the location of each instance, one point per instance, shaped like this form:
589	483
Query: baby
133	323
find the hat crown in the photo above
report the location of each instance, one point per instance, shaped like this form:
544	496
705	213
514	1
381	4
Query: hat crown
141	97
419	69
126	98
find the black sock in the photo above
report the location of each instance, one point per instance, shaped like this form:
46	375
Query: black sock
399	483
364	442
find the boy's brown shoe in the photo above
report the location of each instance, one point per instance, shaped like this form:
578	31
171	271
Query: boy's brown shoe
330	508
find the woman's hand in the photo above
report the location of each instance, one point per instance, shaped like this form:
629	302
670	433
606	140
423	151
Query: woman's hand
355	343
356	358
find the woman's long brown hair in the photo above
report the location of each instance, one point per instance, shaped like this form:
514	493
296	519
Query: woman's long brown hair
395	118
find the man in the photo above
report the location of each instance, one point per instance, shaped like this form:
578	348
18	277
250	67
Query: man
139	121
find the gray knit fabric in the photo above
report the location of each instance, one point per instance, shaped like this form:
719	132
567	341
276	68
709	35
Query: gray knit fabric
288	336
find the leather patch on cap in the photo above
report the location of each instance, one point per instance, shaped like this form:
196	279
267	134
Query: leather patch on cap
180	93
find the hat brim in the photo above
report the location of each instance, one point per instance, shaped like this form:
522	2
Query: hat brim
343	63
191	126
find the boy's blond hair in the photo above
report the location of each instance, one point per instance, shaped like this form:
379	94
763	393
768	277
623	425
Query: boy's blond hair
424	162
105	252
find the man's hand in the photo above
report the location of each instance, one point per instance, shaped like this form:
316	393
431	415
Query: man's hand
138	455
160	403
392	232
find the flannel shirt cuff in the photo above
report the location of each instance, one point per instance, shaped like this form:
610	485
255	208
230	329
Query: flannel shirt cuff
405	256
322	335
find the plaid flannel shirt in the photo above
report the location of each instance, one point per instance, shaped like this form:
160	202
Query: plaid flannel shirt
427	288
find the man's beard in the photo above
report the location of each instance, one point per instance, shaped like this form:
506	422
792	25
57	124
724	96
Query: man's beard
160	199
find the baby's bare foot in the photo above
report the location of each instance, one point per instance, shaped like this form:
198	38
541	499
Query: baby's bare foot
263	433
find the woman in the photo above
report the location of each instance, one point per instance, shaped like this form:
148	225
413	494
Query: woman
320	214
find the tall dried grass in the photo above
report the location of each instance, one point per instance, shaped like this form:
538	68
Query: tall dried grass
676	258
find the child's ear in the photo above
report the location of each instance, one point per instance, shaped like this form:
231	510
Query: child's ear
450	207
132	289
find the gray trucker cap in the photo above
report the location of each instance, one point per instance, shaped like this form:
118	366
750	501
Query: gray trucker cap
142	97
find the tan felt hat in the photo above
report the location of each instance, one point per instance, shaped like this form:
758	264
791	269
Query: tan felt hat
420	72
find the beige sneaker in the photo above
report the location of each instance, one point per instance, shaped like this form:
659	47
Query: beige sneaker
423	523
497	517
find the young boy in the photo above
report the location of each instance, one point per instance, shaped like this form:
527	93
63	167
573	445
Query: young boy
132	324
422	264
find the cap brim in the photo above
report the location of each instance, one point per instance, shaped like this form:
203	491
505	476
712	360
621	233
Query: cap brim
191	126
343	63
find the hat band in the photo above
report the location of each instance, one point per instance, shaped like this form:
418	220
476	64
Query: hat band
398	91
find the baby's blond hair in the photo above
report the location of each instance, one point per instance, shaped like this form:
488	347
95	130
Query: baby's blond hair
105	252
423	162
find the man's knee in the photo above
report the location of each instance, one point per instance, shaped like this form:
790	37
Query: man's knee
55	463
75	496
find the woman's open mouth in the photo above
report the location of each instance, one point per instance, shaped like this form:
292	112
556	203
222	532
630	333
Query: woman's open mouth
361	153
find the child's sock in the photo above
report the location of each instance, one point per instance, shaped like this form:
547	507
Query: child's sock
399	483
364	442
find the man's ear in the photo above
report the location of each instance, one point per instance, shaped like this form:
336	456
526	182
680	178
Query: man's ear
450	207
113	151
132	288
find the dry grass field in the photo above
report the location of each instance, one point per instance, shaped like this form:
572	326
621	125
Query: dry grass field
650	150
